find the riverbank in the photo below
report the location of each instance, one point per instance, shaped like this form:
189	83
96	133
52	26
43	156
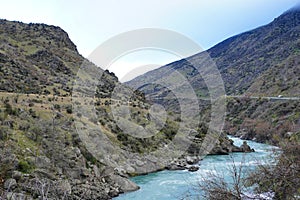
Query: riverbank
168	185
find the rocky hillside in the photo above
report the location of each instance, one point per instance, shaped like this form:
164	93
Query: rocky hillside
263	62
41	154
61	141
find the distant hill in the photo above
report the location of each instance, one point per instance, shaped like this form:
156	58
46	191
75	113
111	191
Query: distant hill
269	52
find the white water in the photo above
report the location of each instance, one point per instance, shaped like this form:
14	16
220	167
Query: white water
170	185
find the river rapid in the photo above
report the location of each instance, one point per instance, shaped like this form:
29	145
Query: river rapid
170	185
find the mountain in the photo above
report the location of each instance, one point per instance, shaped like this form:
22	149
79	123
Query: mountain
70	130
244	58
41	154
263	62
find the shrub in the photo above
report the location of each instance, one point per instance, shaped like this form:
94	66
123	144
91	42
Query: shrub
283	178
32	113
8	108
56	106
69	109
24	166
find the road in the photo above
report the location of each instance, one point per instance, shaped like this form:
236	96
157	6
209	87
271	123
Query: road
269	98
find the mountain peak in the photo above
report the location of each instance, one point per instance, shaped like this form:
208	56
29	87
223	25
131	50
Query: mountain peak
291	16
53	34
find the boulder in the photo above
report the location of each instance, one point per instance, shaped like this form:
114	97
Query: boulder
125	184
17	175
175	167
64	186
191	160
178	164
246	148
10	184
193	168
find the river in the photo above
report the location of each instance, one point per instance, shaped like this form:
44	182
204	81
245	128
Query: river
170	185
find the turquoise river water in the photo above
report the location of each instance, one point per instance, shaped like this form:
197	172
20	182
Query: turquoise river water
169	185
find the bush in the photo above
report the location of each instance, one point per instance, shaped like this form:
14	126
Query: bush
284	178
56	107
4	132
32	113
278	182
69	109
8	108
24	166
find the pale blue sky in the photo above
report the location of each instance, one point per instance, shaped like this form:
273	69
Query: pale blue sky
91	22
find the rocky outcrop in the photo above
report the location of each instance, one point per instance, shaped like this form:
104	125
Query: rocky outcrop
246	148
187	163
125	184
48	181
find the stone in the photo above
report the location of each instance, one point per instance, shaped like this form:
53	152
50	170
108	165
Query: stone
77	151
175	166
40	162
113	192
96	171
125	184
139	163
191	160
17	175
246	148
10	184
193	168
43	174
289	134
121	172
17	196
73	173
84	172
65	186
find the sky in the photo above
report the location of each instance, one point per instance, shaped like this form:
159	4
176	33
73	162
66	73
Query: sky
89	23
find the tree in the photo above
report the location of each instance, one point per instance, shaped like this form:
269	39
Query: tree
283	179
278	182
214	186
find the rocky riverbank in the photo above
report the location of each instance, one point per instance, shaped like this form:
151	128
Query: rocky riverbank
189	162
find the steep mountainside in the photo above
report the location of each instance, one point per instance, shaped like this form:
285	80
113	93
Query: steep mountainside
245	58
263	62
282	79
41	154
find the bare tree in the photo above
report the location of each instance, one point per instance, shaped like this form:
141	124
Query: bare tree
283	179
277	181
216	186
